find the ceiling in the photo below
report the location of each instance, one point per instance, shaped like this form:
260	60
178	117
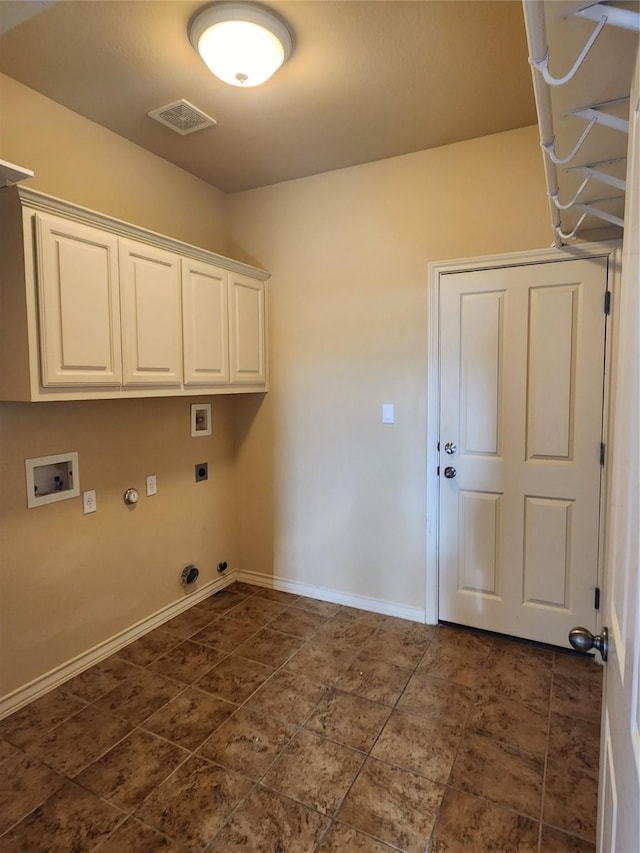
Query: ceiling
366	81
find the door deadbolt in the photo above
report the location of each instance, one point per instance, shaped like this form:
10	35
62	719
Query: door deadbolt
450	472
450	448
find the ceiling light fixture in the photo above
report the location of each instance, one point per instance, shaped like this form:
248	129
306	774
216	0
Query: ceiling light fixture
242	43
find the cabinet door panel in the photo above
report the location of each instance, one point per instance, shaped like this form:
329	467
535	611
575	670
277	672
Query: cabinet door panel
204	324
78	304
150	305
246	330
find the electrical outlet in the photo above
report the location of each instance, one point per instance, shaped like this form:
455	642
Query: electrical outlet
202	471
152	485
89	501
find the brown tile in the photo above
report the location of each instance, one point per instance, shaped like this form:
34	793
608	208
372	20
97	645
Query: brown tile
393	805
571	799
187	662
93	683
409	632
193	803
248	743
287	697
455	663
574	741
40	716
419	744
584	669
79	740
320	662
190	718
345	631
498	773
7	751
394	649
226	634
326	609
315	772
221	602
25	782
138	698
270	647
375	680
72	819
463	637
517	675
577	697
555	841
131	770
437	698
144	651
510	721
467	824
243	587
189	622
135	836
341	838
267	822
276	595
349	720
297	622
235	678
258	611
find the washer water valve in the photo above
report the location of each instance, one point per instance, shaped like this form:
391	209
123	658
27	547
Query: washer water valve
189	575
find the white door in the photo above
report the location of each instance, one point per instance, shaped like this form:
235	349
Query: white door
247	350
151	310
522	359
619	805
205	325
78	297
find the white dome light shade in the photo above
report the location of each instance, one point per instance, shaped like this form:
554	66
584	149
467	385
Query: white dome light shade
241	43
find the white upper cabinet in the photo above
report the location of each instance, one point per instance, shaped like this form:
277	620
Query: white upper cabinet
205	327
95	308
79	304
150	305
247	330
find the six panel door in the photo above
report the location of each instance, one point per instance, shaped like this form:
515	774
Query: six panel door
522	359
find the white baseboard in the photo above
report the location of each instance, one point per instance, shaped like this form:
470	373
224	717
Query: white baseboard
54	678
362	602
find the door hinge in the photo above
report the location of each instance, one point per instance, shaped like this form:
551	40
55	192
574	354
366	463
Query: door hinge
602	452
596	599
607	302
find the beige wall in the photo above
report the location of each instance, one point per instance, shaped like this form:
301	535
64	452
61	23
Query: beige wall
348	252
326	494
69	581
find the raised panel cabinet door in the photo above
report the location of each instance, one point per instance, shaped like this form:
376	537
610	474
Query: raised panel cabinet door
151	315
205	325
247	330
78	300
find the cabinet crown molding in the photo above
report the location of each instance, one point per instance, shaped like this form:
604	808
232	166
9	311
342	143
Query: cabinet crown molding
37	200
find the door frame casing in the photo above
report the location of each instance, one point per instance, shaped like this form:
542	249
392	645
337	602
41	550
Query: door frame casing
437	270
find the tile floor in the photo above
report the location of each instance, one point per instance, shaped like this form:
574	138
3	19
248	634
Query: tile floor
260	721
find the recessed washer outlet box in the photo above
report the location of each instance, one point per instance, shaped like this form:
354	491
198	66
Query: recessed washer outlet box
202	471
52	478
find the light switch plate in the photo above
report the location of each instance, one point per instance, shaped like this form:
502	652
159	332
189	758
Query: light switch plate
388	413
152	485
